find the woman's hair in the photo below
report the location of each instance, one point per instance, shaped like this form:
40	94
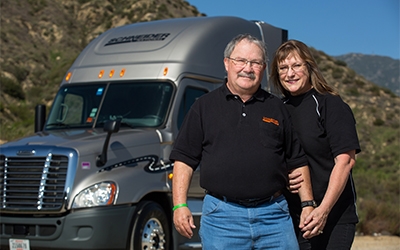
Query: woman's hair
232	44
297	48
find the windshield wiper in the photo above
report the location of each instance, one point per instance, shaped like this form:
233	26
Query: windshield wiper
127	124
101	124
58	124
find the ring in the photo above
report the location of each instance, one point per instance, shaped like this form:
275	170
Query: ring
320	231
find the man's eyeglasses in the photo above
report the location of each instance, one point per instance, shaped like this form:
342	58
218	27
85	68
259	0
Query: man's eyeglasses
241	63
295	67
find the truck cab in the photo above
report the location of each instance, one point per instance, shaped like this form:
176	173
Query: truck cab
96	174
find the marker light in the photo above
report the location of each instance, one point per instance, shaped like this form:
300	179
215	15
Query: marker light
111	73
122	73
165	71
170	175
101	73
68	76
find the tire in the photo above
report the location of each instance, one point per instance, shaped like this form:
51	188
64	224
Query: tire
150	229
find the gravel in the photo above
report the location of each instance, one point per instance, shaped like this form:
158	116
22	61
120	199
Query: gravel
376	243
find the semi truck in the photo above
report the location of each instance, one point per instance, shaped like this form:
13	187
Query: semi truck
96	173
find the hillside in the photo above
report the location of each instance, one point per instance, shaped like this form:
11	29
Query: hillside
382	70
41	38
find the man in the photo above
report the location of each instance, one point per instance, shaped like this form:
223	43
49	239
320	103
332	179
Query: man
242	137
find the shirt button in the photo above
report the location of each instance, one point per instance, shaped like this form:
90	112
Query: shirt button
243	114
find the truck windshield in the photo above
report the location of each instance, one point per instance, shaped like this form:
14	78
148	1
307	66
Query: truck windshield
136	104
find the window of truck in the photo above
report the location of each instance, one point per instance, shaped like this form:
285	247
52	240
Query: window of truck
189	97
136	104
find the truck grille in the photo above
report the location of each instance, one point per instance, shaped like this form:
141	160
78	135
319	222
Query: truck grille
33	183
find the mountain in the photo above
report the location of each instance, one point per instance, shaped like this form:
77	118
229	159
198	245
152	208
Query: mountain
382	70
40	39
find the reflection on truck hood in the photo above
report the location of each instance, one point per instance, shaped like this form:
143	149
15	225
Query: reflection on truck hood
83	138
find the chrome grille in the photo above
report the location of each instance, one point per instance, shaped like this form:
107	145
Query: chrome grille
33	183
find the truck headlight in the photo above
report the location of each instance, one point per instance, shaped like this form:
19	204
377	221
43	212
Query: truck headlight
100	194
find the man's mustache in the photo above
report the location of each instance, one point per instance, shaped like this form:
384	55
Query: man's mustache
252	76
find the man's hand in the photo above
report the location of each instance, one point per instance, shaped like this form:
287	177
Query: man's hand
183	221
295	180
314	222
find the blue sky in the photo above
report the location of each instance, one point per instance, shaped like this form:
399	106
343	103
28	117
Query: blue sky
335	27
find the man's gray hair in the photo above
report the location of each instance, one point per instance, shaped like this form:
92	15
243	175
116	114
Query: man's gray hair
232	44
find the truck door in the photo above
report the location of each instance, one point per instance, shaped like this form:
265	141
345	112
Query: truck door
189	90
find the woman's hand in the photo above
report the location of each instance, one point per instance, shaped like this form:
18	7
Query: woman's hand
313	224
295	180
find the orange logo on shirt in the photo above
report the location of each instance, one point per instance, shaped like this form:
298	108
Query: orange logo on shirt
270	120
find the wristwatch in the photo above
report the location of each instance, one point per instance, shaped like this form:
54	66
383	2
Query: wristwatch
308	204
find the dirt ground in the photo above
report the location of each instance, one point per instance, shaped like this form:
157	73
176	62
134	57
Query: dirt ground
376	243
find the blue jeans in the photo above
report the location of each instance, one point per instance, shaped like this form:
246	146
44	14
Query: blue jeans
225	225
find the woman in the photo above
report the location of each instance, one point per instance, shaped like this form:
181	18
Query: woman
326	128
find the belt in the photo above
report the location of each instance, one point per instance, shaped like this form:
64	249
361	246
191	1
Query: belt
246	202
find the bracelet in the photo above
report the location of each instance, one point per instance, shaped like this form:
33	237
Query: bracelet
179	206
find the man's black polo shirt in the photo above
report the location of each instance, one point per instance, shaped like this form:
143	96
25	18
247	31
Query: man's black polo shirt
245	149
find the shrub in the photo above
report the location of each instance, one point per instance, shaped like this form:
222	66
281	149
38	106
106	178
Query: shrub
377	202
353	91
359	83
341	63
11	88
378	122
375	90
348	79
22	111
20	73
337	73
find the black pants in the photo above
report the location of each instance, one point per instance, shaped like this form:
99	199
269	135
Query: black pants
335	237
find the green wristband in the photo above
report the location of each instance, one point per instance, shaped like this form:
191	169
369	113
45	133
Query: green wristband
178	206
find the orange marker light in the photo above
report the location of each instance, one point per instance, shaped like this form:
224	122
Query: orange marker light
113	191
68	76
122	73
101	73
165	71
111	73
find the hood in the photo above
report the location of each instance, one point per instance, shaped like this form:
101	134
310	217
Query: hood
86	141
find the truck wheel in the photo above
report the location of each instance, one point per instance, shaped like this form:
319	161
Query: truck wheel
150	228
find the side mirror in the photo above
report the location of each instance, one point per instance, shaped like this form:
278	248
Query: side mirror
40	116
110	127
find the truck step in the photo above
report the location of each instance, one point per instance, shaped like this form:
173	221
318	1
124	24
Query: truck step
192	245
